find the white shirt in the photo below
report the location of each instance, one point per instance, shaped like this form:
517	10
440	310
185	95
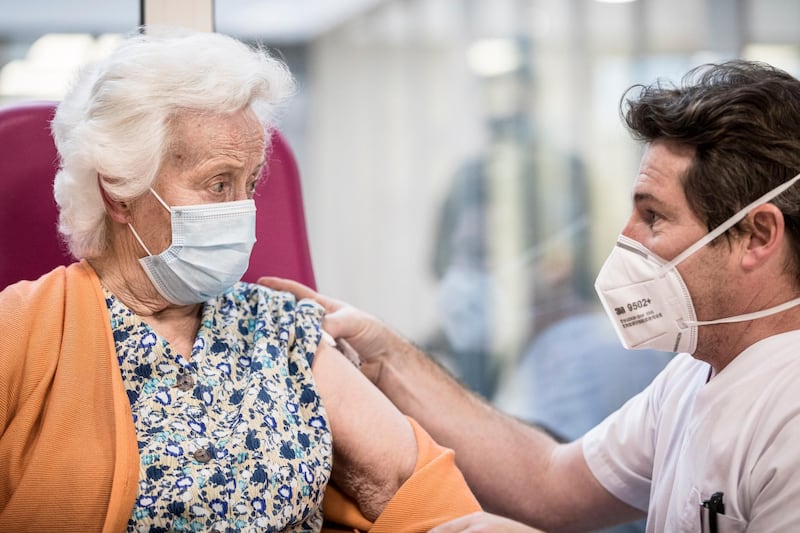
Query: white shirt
682	439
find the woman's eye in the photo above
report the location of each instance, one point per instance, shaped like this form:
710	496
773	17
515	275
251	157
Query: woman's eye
218	187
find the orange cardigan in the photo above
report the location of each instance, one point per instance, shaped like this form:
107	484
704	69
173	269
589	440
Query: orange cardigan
68	454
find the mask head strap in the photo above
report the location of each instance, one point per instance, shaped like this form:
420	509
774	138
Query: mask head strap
725	226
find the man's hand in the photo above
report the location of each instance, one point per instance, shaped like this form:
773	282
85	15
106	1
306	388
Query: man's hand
483	523
369	338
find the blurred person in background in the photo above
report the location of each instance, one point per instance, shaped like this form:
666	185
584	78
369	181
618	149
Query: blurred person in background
464	292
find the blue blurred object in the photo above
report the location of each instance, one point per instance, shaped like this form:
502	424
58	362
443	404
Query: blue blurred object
573	375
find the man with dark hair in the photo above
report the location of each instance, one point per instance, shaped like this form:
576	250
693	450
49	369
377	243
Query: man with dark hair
707	265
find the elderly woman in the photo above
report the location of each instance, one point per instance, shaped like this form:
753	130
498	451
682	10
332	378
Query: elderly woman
144	387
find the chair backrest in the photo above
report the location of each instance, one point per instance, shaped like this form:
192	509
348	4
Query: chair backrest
29	242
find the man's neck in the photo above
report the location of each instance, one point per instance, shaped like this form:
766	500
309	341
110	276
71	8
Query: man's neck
720	344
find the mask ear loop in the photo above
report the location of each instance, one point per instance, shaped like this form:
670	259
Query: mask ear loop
136	234
141	242
160	200
728	224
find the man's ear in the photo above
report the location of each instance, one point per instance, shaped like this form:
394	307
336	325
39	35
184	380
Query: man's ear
766	236
118	210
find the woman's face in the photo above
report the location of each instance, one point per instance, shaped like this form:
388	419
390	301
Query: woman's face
211	158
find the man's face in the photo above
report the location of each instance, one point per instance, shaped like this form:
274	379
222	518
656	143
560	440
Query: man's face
661	219
663	222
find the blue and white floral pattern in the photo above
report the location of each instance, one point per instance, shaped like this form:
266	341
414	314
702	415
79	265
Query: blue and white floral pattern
236	438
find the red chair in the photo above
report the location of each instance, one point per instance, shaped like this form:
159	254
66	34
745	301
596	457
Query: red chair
29	241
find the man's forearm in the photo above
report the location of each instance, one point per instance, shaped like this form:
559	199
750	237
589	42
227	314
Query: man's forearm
514	469
498	455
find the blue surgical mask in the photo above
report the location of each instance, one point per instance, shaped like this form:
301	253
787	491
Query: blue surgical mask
210	250
464	301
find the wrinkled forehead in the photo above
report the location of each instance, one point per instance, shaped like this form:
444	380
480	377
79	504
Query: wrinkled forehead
193	135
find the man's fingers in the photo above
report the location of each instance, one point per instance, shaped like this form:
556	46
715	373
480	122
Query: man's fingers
366	336
300	291
287	285
343	323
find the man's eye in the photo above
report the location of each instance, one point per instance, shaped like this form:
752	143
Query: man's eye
218	187
651	217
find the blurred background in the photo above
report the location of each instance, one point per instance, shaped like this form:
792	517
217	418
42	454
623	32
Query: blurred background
464	166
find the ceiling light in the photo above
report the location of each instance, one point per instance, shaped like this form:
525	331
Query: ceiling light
494	57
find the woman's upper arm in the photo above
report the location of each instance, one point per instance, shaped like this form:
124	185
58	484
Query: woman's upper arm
375	450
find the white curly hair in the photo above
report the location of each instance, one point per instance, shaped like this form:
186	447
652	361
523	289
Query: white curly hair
113	123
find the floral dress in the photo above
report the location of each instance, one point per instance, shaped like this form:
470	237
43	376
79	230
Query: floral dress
236	438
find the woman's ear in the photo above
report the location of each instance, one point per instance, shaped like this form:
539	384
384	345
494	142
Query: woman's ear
766	235
118	210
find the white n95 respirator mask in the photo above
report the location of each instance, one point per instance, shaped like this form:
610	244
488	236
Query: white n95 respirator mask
647	300
210	250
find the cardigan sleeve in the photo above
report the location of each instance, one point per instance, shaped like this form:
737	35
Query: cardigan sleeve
67	444
435	493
